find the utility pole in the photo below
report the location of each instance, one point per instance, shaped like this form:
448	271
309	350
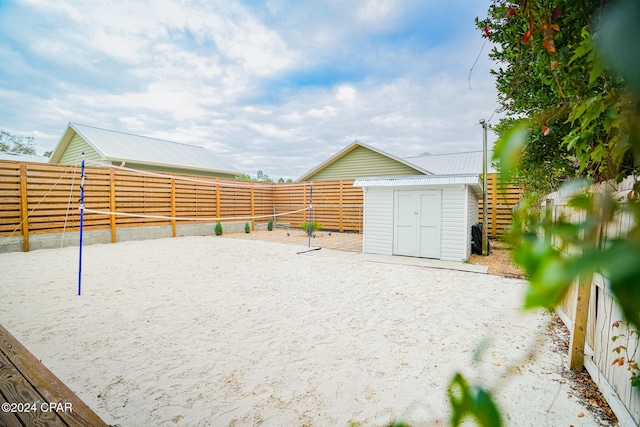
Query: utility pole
485	243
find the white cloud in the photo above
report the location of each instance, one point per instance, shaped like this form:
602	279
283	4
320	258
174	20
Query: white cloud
227	77
376	12
346	93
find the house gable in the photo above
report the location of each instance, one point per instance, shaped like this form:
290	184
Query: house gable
73	153
360	161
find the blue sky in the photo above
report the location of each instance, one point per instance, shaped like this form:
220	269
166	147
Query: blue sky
277	85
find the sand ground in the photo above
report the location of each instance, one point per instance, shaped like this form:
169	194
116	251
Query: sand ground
208	331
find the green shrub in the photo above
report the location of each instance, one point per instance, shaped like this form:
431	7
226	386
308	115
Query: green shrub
247	228
310	227
270	224
218	229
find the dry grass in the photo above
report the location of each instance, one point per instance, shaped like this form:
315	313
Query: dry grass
329	240
499	261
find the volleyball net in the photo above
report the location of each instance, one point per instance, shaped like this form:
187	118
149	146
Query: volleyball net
149	198
91	196
47	201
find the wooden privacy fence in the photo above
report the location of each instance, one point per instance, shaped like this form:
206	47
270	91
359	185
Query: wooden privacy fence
501	200
602	311
39	198
336	204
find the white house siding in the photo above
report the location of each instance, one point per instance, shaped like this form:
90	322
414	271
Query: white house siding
378	221
472	216
453	229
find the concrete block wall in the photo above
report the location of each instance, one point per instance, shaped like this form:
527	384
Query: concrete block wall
124	234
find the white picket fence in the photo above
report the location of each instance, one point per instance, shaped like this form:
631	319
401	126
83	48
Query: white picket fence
613	381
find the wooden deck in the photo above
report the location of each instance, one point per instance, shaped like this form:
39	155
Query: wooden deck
31	395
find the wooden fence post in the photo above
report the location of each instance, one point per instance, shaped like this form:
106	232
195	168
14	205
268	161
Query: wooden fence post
305	215
341	228
494	216
579	330
173	206
493	180
218	214
581	315
493	185
112	203
24	207
253	221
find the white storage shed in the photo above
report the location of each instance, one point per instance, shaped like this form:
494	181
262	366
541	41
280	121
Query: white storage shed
427	216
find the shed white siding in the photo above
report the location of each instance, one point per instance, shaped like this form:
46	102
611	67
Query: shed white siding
378	221
454	221
458	212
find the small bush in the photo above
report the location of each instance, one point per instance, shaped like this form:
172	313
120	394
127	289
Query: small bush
310	227
218	229
247	228
270	224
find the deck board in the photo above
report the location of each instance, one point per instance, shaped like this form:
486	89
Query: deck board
16	389
8	419
24	379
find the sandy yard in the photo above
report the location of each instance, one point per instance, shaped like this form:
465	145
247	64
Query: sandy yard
208	331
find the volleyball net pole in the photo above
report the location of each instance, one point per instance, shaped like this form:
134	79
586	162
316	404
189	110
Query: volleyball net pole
81	224
309	225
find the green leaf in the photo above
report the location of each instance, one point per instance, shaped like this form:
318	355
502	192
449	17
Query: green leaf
596	72
548	285
508	150
620	265
486	411
584	48
617	34
581	201
472	401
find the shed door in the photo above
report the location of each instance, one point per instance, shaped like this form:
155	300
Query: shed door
417	223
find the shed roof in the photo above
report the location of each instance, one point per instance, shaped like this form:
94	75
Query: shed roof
453	163
420	180
115	146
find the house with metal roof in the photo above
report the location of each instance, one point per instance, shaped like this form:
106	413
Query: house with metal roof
138	152
359	160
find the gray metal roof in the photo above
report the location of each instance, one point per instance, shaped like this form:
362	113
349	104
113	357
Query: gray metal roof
19	157
121	146
453	163
420	180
